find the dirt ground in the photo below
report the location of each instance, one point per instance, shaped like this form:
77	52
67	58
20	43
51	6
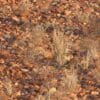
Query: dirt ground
49	50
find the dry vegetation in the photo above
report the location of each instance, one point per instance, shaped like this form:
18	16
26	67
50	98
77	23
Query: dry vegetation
71	80
49	50
59	47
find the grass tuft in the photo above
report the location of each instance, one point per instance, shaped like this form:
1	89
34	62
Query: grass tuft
59	46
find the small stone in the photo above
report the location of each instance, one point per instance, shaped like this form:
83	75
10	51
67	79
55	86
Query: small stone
1	61
18	93
95	93
15	18
34	1
52	90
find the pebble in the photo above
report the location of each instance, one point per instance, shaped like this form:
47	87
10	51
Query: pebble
95	93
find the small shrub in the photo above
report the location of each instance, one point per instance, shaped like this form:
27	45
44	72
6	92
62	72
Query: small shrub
35	41
70	79
92	52
59	46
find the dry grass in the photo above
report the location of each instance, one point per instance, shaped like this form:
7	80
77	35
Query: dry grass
48	95
37	34
36	41
7	85
70	80
40	97
59	46
93	56
96	73
22	8
95	51
92	48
